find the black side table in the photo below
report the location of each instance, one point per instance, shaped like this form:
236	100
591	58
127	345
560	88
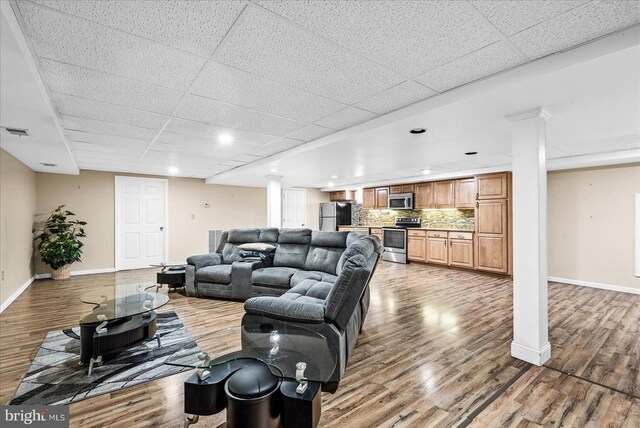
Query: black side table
171	275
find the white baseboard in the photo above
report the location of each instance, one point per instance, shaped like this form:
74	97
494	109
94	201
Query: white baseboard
78	272
530	355
610	287
16	294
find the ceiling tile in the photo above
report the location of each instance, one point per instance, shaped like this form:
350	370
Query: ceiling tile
310	133
193	26
123	156
211	132
110	167
102	148
105	140
75	41
399	96
247	158
231	116
579	25
92	109
232	163
484	62
277	147
269	46
204	146
85	83
228	84
73	123
511	16
614	144
345	118
410	37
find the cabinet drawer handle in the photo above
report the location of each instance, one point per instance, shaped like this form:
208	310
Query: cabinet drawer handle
477	205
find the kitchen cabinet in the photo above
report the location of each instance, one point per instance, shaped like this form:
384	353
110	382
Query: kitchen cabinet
437	251
444	194
491	216
402	188
491	253
341	195
465	193
492	186
417	245
369	199
424	196
492	240
461	249
382	198
376	231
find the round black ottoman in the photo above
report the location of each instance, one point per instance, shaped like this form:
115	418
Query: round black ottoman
253	398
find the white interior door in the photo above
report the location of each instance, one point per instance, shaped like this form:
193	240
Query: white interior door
141	229
294	212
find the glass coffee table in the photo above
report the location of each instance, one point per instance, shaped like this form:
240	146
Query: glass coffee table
273	380
123	314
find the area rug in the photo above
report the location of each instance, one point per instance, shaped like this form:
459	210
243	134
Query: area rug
56	377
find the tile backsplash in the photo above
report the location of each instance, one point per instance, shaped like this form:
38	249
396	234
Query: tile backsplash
437	219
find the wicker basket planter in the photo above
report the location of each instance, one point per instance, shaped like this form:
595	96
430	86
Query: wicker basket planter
61	273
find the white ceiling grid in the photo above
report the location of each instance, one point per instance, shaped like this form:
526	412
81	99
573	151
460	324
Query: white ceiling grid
140	86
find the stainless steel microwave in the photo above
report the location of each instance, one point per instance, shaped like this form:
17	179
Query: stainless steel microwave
401	201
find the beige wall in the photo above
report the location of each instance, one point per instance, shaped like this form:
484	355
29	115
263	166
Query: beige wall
91	196
314	198
591	224
17	209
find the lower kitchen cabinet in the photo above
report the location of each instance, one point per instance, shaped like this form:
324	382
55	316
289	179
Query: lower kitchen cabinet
417	248
461	252
491	253
437	251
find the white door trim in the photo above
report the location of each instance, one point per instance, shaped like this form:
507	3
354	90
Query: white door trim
118	179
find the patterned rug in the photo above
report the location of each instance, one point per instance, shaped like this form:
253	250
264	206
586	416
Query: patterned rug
56	377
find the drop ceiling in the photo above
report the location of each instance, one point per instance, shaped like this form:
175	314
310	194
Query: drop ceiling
142	86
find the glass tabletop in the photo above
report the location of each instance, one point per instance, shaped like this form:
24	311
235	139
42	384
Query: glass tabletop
281	349
117	301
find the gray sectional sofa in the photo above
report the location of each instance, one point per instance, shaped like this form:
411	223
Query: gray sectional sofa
317	280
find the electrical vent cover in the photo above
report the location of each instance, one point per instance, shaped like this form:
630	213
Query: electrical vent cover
17	131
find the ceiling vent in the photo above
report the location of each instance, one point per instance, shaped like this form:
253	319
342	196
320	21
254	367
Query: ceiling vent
48	164
17	131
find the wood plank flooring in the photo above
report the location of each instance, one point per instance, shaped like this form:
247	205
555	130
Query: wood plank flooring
434	352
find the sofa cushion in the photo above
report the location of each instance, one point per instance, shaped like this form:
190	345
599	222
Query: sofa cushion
323	259
291	255
294	236
278	277
309	290
347	291
298	277
285	309
269	234
329	239
242	236
219	274
363	246
262	247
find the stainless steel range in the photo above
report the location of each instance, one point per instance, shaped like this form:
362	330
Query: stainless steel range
394	239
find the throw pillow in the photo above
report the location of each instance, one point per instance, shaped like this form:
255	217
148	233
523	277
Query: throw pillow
257	246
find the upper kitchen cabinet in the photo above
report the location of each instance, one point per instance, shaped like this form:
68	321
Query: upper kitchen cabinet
465	193
403	188
369	199
382	198
492	186
424	196
341	195
444	194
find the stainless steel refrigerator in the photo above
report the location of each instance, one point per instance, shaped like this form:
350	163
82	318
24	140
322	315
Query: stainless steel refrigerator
334	214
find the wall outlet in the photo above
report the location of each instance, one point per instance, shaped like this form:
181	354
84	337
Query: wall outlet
3	275
193	216
206	204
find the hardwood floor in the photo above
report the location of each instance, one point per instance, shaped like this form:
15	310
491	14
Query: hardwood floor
434	353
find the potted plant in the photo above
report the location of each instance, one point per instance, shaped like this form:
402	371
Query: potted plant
58	242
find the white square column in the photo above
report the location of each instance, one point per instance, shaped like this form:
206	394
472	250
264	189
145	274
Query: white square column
530	313
274	200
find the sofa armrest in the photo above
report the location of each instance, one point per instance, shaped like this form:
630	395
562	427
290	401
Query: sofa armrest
241	278
285	309
203	260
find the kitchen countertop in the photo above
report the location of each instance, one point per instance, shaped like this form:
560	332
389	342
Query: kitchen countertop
415	228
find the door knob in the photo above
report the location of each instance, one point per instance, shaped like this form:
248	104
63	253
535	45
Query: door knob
161	228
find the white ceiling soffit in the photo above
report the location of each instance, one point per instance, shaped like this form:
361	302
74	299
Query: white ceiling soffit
166	79
24	104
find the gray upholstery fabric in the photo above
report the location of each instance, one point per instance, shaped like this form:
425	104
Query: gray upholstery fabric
242	236
294	236
298	277
323	259
347	290
203	260
353	237
190	280
279	277
310	290
269	235
329	239
291	255
362	246
223	241
241	278
285	309
220	274
230	253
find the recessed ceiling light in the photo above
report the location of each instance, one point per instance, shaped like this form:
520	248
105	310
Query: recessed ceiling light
334	177
225	138
418	131
173	170
48	164
471	153
273	170
426	171
331	184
